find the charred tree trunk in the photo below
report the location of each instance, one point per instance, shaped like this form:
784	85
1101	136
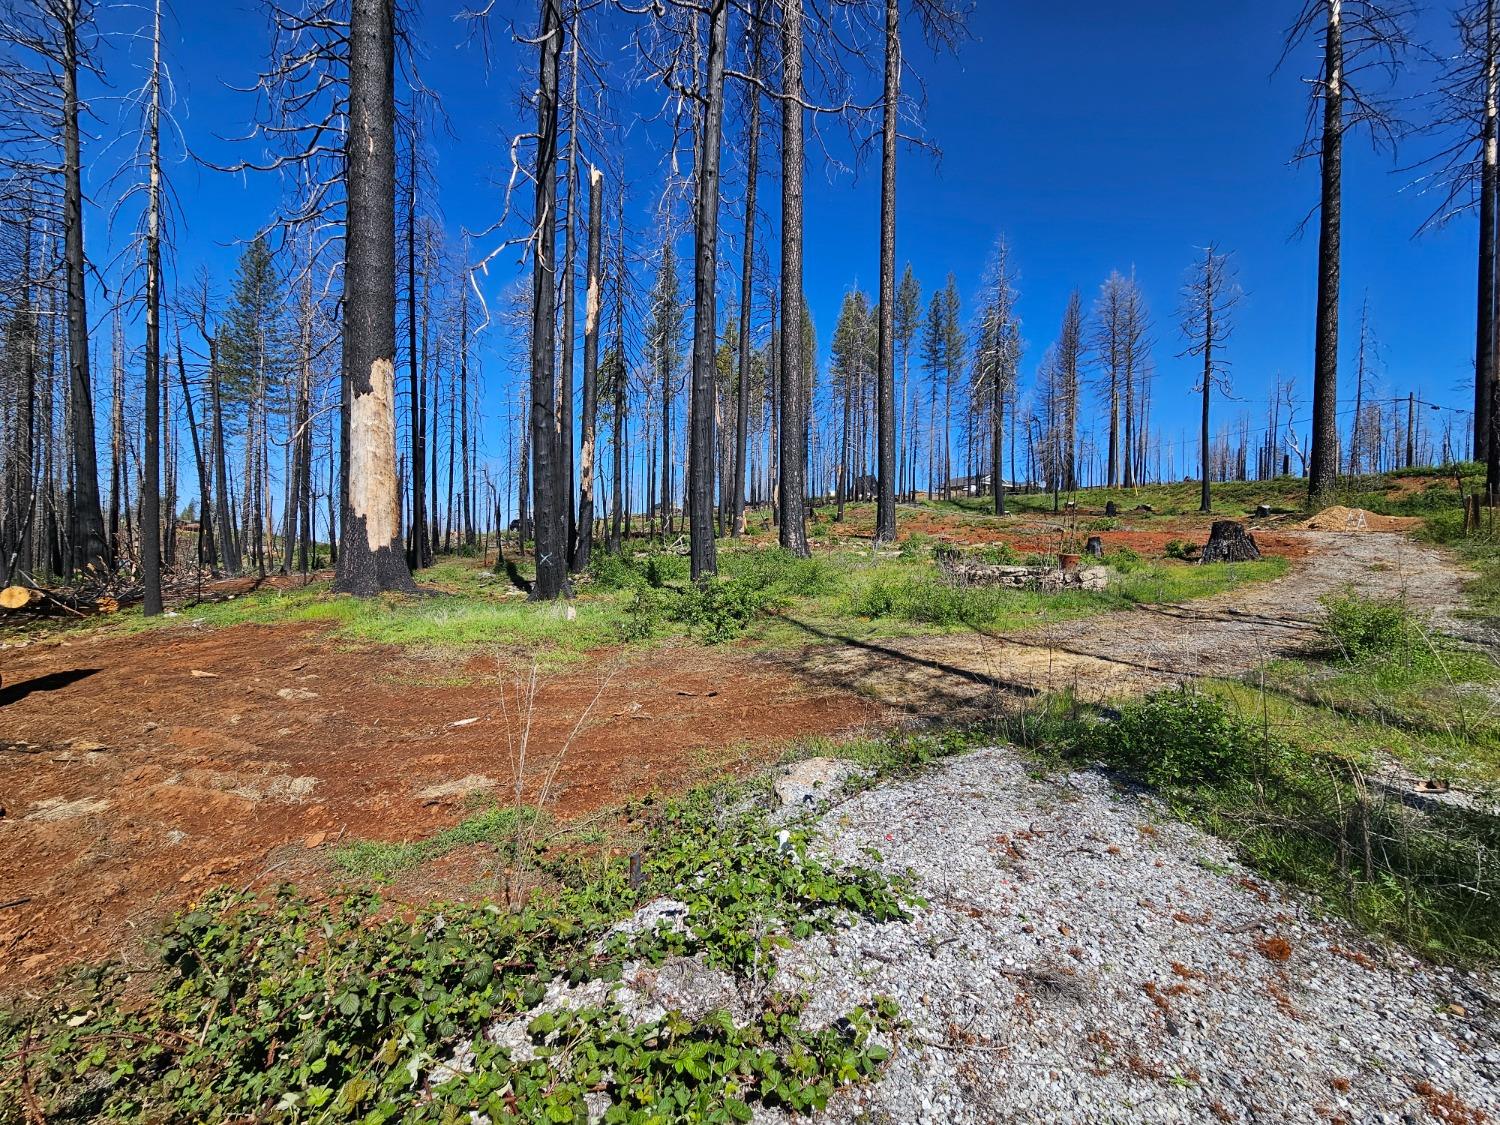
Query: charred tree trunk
619	498
151	484
593	300
700	482
86	522
747	282
550	501
569	313
371	559
793	460
419	553
229	545
885	504
1323	469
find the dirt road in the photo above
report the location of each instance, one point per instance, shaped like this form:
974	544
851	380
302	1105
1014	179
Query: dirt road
1148	647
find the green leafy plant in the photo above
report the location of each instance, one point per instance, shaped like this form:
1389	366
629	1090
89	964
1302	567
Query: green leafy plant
1179	549
283	1008
1364	627
1179	737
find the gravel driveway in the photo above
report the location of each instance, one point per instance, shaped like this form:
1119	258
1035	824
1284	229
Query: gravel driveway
1085	958
1147	647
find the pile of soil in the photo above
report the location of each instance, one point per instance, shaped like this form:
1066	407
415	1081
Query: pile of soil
1340	518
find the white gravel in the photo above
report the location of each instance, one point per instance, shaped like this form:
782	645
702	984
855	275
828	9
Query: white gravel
1085	958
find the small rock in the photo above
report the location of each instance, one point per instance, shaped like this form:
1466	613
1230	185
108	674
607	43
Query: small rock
315	840
200	674
805	783
296	694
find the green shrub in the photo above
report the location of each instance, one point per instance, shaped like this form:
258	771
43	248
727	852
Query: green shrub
716	609
719	608
608	571
779	570
1179	738
662	568
917	545
1365	628
1124	560
1179	549
997	554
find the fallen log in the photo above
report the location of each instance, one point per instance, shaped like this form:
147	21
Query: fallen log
33	599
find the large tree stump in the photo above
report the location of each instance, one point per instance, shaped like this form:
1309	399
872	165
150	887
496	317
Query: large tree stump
1229	542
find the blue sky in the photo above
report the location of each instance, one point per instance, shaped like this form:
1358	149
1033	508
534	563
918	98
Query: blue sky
1119	136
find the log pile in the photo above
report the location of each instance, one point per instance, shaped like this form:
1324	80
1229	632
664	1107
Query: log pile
1048	579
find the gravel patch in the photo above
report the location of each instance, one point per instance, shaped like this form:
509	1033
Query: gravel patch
1086	958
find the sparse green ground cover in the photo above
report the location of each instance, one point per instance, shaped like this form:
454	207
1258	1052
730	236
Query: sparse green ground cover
283	1009
763	594
1305	767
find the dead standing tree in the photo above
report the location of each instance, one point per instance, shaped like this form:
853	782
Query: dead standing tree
943	23
1357	37
997	360
1208	301
1465	173
371	556
51	44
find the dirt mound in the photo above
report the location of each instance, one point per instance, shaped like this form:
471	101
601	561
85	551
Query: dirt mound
1340	518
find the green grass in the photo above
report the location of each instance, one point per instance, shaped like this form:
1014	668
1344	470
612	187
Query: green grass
915	593
382	859
1290	786
475	616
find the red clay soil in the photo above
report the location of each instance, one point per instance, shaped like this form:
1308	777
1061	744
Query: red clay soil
130	784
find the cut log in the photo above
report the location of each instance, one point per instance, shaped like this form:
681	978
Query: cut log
1229	542
18	597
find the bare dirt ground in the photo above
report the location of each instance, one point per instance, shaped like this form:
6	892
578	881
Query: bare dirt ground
135	772
1149	647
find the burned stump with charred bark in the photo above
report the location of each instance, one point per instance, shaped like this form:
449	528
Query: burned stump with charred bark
1229	542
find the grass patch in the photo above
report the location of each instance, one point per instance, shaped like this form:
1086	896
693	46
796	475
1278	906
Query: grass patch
380	859
917	594
1253	770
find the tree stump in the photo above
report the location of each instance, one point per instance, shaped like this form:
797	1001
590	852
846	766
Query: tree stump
1111	508
1095	547
1262	511
1229	542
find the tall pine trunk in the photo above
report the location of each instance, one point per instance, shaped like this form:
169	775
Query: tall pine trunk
1323	467
151	485
371	558
700	483
885	505
87	542
549	500
747	282
593	301
793	459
